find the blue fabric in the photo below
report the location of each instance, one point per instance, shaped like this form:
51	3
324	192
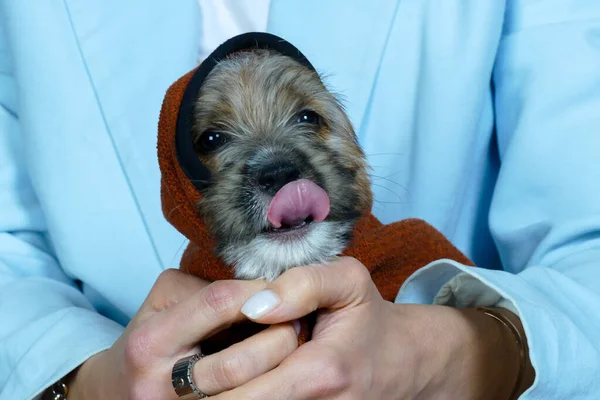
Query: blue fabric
481	117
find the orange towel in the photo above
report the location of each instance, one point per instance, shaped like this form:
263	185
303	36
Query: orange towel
390	252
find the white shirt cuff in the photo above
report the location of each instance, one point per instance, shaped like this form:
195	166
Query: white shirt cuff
465	290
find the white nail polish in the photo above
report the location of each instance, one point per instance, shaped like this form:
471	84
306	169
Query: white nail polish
296	324
260	304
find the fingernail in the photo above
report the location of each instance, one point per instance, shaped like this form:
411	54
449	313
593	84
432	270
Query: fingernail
296	324
260	304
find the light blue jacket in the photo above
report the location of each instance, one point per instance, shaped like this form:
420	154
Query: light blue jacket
482	117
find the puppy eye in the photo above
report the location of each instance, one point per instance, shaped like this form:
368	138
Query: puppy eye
308	117
210	141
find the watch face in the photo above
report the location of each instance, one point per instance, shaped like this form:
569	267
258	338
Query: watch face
58	391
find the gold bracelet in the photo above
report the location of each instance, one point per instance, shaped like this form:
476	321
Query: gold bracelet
521	344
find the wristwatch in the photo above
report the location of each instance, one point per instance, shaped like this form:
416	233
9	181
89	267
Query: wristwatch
58	391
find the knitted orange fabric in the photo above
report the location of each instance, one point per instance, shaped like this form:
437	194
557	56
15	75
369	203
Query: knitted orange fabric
391	252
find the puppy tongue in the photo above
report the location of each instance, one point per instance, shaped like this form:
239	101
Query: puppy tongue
297	201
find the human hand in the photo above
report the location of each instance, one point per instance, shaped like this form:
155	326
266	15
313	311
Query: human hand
364	347
179	311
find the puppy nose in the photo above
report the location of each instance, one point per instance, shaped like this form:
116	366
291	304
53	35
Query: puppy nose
274	176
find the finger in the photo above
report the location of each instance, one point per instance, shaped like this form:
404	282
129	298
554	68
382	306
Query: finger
246	360
300	291
211	309
309	373
171	287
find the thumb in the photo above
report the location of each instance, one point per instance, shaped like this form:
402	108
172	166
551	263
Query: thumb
342	283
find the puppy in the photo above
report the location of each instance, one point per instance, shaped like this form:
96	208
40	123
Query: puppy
288	177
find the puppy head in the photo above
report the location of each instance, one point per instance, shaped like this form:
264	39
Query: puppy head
288	178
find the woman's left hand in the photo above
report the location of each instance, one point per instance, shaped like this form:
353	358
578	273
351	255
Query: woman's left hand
364	347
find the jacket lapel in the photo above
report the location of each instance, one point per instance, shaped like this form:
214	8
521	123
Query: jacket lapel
88	112
130	82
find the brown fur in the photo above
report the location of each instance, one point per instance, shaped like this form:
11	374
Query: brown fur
254	99
390	252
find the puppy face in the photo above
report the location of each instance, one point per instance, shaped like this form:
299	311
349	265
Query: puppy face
288	178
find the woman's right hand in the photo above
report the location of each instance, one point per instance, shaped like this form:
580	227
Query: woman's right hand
178	313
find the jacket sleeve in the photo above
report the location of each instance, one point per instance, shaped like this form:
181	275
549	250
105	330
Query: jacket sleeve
47	327
545	214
